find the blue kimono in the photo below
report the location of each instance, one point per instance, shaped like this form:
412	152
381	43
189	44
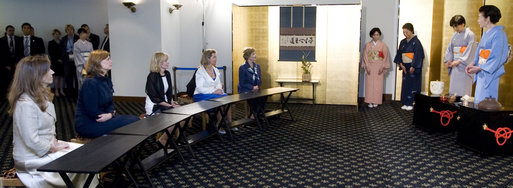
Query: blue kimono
491	55
410	54
248	78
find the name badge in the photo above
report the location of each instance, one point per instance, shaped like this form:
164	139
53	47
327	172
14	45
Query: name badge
407	57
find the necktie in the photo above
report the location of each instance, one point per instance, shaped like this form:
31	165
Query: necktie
11	44
26	52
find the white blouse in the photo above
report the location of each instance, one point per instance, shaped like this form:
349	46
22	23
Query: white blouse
205	84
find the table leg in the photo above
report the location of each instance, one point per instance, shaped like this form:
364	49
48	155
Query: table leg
183	136
66	179
283	102
224	113
139	163
170	139
313	90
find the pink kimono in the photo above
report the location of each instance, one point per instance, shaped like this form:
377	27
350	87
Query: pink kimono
375	58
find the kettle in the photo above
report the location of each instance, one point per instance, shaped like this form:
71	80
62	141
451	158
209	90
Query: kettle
489	104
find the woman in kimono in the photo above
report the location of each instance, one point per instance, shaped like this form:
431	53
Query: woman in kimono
34	119
375	62
409	58
458	55
491	54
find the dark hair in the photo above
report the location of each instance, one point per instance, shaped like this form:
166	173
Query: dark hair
408	26
491	11
81	30
457	20
9	26
84	25
374	30
24	24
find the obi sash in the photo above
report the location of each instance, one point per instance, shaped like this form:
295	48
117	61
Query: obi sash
85	55
375	55
458	51
483	55
407	57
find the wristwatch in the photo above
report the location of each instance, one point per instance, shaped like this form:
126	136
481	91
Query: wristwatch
113	113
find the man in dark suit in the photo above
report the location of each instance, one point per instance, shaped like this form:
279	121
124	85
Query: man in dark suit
8	59
105	44
29	45
67	42
94	39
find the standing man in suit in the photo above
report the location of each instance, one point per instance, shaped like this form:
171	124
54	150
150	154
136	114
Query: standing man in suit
67	43
105	44
31	45
93	38
8	59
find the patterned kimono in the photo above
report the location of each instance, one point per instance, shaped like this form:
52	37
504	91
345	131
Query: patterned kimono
410	54
491	55
462	47
375	58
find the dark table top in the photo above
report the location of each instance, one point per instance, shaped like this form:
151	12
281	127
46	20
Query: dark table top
252	95
195	108
151	125
95	155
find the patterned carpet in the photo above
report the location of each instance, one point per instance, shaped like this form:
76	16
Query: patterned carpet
327	146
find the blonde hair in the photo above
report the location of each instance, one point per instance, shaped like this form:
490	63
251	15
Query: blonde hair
93	66
156	61
28	79
207	54
247	52
68	26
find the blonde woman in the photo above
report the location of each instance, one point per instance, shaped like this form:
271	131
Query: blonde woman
34	119
159	90
95	114
208	82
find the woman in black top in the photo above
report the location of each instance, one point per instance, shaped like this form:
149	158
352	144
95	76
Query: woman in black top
54	50
159	90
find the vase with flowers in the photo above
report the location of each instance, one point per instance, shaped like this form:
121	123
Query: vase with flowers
306	66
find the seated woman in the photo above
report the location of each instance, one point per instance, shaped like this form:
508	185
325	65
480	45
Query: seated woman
34	119
159	89
250	79
208	83
95	114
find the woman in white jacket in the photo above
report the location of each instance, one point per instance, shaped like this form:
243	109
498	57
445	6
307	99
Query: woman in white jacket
34	119
208	82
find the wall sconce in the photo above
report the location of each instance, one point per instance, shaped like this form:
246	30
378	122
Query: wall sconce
130	5
175	7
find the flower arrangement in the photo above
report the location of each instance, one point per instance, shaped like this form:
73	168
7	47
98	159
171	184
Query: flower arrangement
305	64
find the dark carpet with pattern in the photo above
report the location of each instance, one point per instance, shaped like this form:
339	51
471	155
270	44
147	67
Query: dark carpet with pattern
327	146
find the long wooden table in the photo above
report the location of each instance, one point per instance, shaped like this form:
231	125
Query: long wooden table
96	155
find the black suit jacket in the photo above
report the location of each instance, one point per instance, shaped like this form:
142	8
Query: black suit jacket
37	46
64	43
95	40
106	46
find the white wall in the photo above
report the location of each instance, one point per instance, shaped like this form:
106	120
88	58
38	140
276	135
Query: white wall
382	14
47	15
134	37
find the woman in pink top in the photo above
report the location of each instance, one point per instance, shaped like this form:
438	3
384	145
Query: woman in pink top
375	62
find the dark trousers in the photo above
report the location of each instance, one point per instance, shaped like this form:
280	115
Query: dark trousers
70	75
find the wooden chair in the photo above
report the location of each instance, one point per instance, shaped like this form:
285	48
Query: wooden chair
10	179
